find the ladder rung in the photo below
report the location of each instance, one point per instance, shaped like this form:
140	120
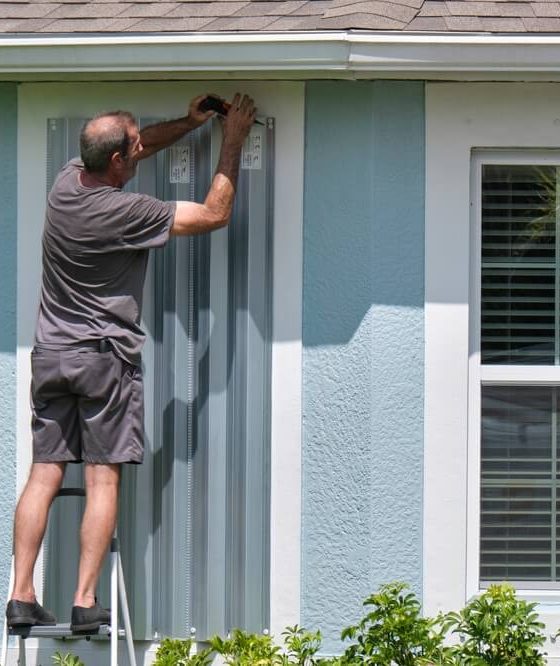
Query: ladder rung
71	492
62	631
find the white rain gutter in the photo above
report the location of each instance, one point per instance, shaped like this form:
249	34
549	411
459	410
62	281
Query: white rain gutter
345	54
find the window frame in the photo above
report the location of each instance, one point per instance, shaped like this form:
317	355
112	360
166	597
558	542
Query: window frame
492	374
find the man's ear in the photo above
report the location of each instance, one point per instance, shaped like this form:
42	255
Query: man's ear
117	160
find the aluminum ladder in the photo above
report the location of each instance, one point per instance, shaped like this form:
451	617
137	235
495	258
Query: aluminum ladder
62	631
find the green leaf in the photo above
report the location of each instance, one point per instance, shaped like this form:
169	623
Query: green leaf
67	659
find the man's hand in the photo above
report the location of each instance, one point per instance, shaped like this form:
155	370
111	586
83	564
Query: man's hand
239	120
162	135
215	212
196	116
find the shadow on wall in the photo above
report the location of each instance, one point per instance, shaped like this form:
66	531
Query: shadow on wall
364	205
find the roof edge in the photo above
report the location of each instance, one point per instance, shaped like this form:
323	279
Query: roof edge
348	53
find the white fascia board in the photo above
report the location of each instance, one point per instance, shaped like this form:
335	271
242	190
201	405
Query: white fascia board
455	53
346	54
173	53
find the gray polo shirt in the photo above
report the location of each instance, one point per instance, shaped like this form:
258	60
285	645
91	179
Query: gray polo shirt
95	253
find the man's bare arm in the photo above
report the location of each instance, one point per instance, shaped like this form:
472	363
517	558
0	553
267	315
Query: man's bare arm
162	135
215	212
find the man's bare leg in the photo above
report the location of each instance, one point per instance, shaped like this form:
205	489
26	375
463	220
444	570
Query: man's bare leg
30	524
98	525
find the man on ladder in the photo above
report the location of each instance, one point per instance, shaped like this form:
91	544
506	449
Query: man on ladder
87	403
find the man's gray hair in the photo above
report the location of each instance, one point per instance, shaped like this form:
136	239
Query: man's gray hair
102	136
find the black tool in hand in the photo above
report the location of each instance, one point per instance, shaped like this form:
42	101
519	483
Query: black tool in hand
218	105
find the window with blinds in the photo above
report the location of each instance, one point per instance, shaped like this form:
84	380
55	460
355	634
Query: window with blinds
519	275
519	505
519	310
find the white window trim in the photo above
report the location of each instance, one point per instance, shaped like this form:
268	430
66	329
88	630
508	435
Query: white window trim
492	374
461	118
281	100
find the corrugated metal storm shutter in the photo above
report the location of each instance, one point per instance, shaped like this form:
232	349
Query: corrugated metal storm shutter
194	519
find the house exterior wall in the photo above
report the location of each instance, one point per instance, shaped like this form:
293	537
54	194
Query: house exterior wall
8	251
366	517
363	346
516	121
285	102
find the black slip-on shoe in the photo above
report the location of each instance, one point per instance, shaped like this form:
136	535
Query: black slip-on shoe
89	619
23	613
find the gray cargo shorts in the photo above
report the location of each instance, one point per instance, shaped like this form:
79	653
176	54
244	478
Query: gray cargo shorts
87	405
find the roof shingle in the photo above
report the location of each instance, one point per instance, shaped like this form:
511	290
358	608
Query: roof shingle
169	25
145	10
542	24
545	9
210	9
500	9
427	24
83	10
270	8
386	9
312	8
360	21
438	16
240	23
433	8
10	10
88	25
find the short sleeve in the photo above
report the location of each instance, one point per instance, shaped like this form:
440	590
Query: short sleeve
75	164
148	222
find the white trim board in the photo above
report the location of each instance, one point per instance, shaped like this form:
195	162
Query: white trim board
340	54
461	118
281	100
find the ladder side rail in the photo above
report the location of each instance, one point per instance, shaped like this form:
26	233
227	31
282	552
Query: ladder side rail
126	614
4	655
118	590
114	601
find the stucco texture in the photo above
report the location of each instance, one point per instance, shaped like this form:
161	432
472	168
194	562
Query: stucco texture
8	249
363	342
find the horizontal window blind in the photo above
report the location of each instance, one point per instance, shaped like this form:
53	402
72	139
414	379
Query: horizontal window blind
520	293
519	474
519	309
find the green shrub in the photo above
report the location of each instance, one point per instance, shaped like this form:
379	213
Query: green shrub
67	659
498	629
177	652
244	649
301	647
394	632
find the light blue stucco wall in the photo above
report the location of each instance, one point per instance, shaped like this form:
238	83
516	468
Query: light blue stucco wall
363	346
8	250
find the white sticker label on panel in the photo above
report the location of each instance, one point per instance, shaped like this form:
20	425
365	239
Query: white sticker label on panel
180	164
251	157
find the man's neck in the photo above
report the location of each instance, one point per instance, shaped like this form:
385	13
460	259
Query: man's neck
90	179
